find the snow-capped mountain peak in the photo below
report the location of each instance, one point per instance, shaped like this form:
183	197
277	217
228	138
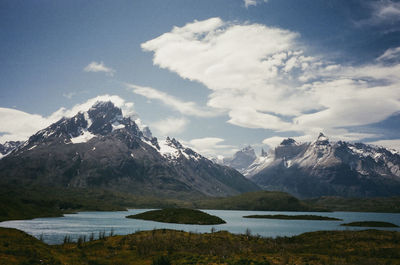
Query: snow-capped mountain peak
102	119
173	150
322	139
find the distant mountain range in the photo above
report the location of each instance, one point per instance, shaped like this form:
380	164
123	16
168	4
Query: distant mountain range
323	168
102	148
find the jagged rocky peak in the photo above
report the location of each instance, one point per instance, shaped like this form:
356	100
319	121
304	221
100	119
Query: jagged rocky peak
322	139
248	150
173	143
104	117
288	148
101	119
288	142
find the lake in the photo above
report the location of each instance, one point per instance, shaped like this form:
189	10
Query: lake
54	229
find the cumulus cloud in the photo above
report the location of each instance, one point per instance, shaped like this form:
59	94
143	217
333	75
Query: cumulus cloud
99	67
184	107
170	126
18	125
210	146
263	77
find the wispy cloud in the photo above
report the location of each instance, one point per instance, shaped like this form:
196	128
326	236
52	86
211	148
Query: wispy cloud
69	95
170	126
264	78
184	107
390	54
382	12
99	67
248	3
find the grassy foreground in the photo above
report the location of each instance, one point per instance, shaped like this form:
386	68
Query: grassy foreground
176	247
294	217
179	216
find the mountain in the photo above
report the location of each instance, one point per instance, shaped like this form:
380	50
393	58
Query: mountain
7	147
324	168
241	160
101	148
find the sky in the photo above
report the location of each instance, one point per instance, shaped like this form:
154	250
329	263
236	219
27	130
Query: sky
217	75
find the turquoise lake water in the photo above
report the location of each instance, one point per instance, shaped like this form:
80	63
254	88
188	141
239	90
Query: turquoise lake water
53	230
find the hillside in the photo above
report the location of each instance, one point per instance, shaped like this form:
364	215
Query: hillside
258	201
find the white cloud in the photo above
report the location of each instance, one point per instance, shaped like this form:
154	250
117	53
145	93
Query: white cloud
184	107
391	144
262	77
210	146
390	54
169	126
99	67
69	95
19	125
248	3
273	141
387	10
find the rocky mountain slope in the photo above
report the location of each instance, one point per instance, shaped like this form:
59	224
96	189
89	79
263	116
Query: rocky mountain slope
325	168
102	148
7	147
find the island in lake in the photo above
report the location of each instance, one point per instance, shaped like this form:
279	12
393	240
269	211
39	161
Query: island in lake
179	216
294	217
370	224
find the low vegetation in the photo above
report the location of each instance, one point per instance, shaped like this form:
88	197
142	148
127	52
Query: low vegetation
377	205
294	217
176	247
179	216
371	224
258	201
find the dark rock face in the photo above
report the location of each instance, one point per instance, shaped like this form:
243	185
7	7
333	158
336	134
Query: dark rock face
101	148
9	146
326	168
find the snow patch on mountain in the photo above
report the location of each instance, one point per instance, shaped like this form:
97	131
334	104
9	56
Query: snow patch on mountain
83	138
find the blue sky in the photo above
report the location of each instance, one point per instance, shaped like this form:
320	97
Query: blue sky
217	75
